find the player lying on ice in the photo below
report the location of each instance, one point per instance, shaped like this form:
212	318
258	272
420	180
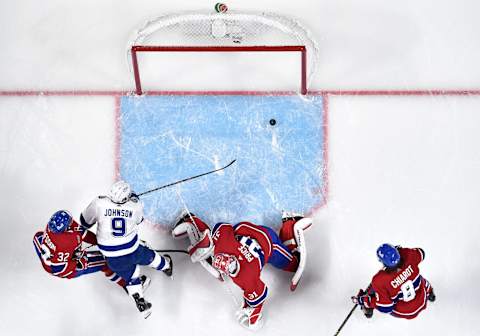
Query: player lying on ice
241	251
117	217
59	248
397	289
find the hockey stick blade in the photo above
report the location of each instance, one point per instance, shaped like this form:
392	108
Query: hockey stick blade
187	179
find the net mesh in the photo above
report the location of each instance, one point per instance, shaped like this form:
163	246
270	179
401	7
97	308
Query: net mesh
224	29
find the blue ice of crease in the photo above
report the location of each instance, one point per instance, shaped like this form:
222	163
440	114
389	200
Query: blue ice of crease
168	138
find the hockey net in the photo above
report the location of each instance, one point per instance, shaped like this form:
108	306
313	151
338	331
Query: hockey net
223	33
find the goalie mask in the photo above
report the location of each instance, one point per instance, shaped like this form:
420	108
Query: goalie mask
60	221
226	264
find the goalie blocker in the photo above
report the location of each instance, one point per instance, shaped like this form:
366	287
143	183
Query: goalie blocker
240	251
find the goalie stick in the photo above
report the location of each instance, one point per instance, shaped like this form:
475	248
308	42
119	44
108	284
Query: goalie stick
187	179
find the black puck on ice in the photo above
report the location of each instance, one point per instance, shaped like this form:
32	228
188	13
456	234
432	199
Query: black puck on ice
273	122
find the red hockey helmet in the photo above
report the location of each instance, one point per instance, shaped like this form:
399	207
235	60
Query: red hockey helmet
226	264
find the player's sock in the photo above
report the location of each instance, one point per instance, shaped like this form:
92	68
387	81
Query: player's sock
112	276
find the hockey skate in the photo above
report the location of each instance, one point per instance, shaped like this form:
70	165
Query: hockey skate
431	295
143	306
168	272
286	215
145	282
368	312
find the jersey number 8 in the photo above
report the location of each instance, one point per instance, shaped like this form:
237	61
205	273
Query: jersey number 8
118	226
408	290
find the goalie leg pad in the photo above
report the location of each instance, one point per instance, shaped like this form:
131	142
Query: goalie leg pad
302	250
203	248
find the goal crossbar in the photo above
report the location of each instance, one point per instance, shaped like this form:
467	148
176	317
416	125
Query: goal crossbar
293	48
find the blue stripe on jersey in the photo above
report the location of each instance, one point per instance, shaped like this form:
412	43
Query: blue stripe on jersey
416	284
258	301
84	223
37	241
385	310
113	248
55	269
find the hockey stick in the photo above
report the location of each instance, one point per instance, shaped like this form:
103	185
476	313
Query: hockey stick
187	179
172	251
346	319
350	314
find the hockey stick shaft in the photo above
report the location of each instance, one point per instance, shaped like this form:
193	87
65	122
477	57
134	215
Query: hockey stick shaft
172	251
350	314
187	179
346	319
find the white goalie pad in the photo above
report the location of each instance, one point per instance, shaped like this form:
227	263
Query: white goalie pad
184	230
190	230
203	248
298	230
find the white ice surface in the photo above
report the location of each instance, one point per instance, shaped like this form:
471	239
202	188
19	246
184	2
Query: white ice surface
401	169
363	44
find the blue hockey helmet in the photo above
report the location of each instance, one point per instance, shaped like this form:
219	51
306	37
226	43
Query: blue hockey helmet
60	221
388	255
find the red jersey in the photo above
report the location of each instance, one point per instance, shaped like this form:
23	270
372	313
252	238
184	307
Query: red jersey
402	292
57	251
252	247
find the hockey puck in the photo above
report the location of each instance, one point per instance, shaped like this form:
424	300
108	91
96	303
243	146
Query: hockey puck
273	122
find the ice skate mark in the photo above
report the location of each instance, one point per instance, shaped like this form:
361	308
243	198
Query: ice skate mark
187	148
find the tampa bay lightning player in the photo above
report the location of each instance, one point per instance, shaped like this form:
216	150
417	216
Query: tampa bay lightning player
118	216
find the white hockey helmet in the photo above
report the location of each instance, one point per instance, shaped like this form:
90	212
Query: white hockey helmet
120	192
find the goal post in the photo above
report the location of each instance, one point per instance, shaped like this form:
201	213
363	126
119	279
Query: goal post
237	49
243	33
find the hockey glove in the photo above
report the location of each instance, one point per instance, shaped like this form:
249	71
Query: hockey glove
363	299
82	263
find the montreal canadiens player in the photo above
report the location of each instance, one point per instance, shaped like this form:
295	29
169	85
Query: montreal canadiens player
59	248
398	289
241	251
118	216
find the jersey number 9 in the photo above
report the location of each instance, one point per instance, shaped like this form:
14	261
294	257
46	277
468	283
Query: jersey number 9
118	227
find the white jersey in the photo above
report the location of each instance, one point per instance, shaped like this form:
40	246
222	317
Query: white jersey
117	225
